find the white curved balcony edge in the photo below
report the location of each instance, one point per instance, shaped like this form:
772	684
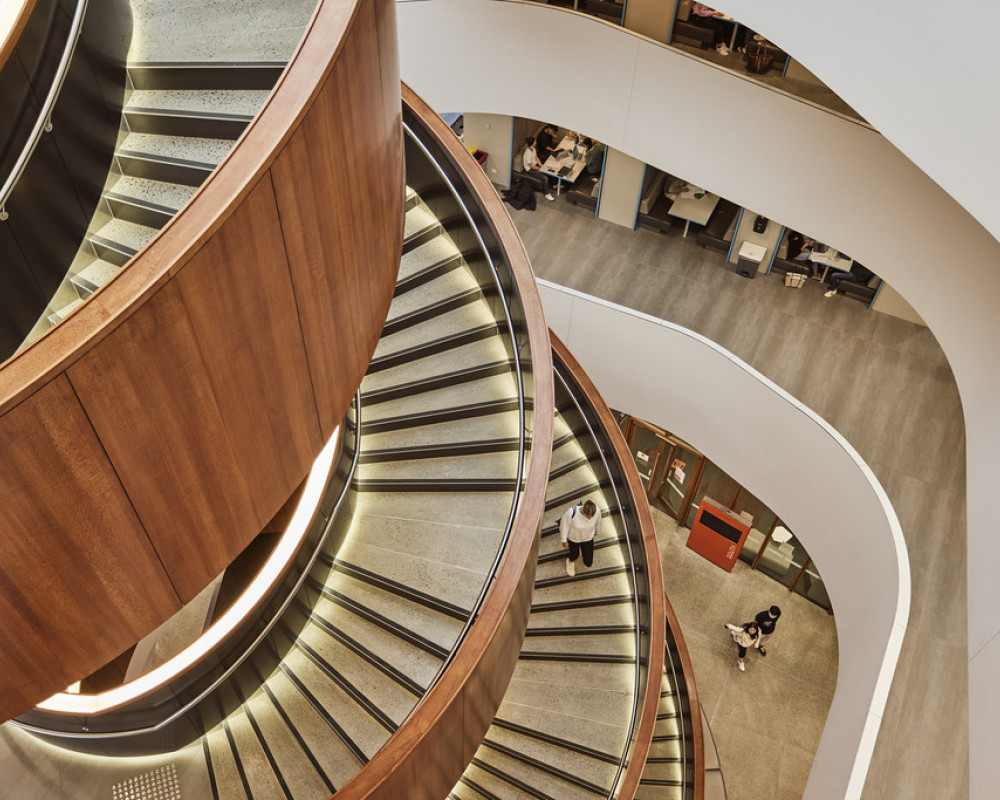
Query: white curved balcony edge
743	419
795	163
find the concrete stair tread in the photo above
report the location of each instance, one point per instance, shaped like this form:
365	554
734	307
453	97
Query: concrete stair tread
590	769
196	149
359	725
417	219
486	465
582	475
670	748
227	775
539	780
93	276
431	252
389	696
487	509
462	546
609	644
601	615
607	706
468	355
605	677
577	589
495	387
451	584
454	281
129	234
258	770
160	193
410	660
459	320
432	625
240	102
503	425
599	736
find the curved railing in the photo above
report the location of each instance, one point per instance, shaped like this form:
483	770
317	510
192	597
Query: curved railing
428	753
643	564
193	392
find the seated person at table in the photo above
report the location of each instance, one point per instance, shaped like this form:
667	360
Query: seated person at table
595	157
859	274
799	247
706	17
545	143
529	159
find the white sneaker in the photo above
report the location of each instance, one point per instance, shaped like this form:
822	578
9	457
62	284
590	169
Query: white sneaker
570	568
722	49
549	196
741	665
830	293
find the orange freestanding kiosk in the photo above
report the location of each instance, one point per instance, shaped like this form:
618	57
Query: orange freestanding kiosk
718	534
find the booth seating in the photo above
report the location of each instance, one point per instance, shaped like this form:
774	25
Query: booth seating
585	191
694	35
652	203
607	10
717	228
865	292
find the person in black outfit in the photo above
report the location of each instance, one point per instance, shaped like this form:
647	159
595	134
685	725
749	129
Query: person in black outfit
859	274
545	142
766	620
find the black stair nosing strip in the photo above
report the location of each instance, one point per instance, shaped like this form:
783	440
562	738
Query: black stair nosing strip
444	450
584	602
236	757
668	715
434	485
581	630
556	741
386	624
517	783
158	158
145	205
600	544
478	789
435	382
431	311
187	113
575	658
263	742
559	441
422	236
546	768
326	715
108	244
433	347
590	574
664	760
303	745
212	783
347	687
427	274
205	74
364	653
438	415
398	589
568	467
659	782
666	737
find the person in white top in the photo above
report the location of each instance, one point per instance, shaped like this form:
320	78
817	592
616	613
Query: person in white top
577	528
530	162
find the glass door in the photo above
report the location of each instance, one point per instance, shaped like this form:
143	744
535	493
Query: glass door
647	443
682	466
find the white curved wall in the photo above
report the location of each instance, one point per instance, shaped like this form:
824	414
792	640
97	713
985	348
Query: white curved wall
737	415
812	170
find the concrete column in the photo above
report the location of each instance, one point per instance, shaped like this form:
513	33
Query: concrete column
492	133
621	188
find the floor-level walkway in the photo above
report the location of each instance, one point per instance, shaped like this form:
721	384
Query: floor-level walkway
882	382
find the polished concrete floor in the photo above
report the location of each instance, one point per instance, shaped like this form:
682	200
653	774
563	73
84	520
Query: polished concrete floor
766	721
885	384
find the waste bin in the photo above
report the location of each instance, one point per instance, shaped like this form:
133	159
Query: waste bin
748	259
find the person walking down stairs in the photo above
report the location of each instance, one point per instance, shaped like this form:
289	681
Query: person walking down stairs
577	529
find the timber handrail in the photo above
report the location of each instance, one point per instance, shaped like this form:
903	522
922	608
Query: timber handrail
13	33
428	753
151	435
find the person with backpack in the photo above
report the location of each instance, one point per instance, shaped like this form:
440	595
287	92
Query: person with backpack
577	529
766	620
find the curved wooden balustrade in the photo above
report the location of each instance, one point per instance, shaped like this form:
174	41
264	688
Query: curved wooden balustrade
149	437
426	756
9	37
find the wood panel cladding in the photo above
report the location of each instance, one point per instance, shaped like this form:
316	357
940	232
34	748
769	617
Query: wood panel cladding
152	435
